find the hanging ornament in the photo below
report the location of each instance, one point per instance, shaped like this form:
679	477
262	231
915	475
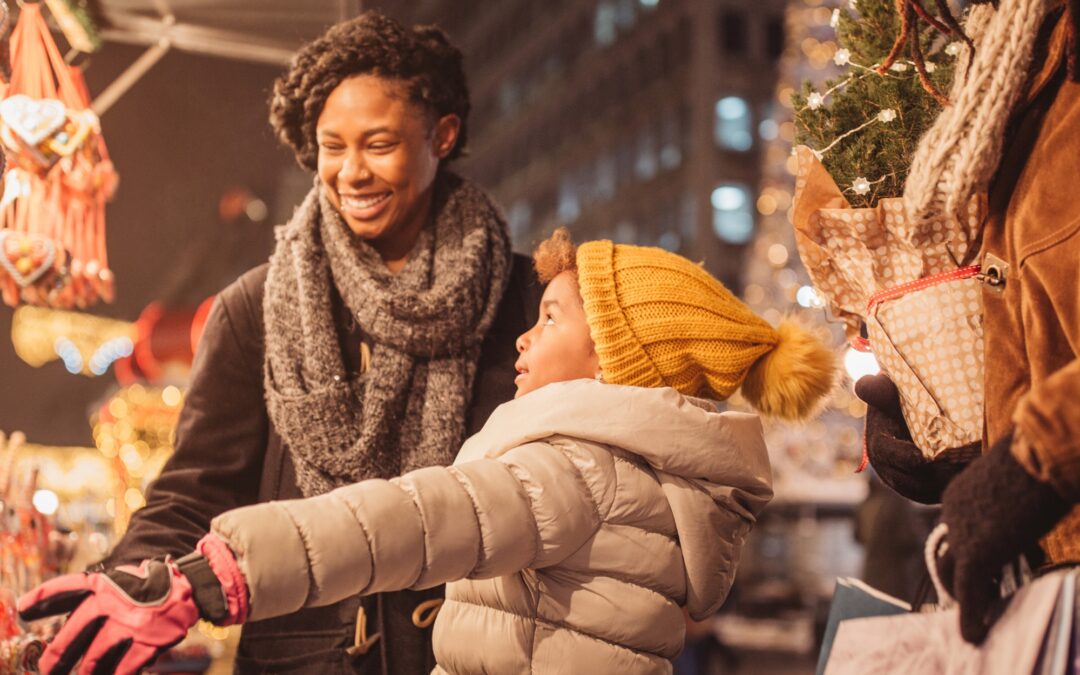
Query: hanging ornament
887	115
59	177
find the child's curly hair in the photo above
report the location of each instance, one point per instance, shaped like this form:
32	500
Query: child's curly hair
555	255
372	43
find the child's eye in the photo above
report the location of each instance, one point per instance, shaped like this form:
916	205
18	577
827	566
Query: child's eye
548	321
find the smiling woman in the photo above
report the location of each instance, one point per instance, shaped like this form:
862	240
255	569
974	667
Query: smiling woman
282	404
378	156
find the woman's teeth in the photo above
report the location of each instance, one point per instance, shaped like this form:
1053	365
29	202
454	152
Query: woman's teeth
364	202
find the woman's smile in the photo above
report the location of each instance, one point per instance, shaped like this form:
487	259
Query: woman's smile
365	206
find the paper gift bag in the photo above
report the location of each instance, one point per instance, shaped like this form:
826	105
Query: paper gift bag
1021	641
908	282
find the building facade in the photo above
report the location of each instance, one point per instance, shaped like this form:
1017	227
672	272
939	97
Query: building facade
637	120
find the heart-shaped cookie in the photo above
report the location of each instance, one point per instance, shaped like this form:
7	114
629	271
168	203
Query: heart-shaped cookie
32	120
26	257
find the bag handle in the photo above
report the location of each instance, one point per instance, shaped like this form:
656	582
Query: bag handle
936	546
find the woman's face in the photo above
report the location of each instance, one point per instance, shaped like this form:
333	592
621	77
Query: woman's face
378	155
559	347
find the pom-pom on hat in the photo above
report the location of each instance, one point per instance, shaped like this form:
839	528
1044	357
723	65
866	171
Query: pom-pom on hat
658	319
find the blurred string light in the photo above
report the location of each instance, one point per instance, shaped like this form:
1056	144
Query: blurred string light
808	297
857	364
775	285
135	431
85	343
64	474
46	502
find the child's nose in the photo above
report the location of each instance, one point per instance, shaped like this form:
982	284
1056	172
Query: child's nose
522	342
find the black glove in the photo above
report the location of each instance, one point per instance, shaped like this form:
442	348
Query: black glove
995	511
894	456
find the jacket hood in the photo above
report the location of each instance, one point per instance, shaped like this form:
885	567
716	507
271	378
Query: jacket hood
713	466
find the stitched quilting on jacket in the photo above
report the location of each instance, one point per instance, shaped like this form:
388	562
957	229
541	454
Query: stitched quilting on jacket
572	528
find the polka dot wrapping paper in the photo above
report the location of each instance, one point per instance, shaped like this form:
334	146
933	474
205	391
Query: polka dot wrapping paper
929	341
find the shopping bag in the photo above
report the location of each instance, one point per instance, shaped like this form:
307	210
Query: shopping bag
854	599
930	642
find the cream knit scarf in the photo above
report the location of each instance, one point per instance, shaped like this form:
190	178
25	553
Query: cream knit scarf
426	325
958	156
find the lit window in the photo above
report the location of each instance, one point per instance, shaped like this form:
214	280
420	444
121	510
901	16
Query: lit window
625	233
733	124
649	4
733	218
569	207
520	220
769	130
670	137
606	176
688	214
604	26
509	96
625	14
670	241
646	165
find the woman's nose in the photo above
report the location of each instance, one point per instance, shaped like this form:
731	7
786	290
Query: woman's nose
354	169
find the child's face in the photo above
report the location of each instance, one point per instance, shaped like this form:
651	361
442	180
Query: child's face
559	347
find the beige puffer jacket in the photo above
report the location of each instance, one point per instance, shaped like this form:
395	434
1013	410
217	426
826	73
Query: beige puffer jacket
573	527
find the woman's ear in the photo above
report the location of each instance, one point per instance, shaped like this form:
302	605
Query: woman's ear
446	133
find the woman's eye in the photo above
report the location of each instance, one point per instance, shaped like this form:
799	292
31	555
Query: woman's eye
382	146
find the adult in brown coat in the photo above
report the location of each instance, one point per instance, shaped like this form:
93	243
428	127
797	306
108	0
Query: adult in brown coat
377	338
1018	136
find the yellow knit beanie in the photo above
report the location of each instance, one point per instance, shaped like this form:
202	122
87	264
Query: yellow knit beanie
658	319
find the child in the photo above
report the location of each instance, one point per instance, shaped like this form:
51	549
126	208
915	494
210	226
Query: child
571	531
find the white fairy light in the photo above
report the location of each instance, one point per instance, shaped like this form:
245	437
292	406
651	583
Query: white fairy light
861	186
898	67
887	115
930	67
815	100
842	57
834	20
953	48
857	364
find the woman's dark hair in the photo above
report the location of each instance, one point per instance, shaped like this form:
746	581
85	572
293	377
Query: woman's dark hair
372	43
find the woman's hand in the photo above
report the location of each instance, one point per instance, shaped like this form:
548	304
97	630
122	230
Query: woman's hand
894	456
995	511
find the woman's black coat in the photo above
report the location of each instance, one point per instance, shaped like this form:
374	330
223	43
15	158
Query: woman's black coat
228	455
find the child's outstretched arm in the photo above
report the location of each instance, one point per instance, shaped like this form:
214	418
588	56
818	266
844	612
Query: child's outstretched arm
530	507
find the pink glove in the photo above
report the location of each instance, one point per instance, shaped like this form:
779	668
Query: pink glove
124	618
121	619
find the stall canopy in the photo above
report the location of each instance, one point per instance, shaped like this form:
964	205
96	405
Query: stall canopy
267	31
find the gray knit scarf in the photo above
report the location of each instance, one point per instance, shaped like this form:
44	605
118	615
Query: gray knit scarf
425	324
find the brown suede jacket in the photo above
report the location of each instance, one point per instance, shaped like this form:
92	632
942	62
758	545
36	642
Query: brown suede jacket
229	455
1032	320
